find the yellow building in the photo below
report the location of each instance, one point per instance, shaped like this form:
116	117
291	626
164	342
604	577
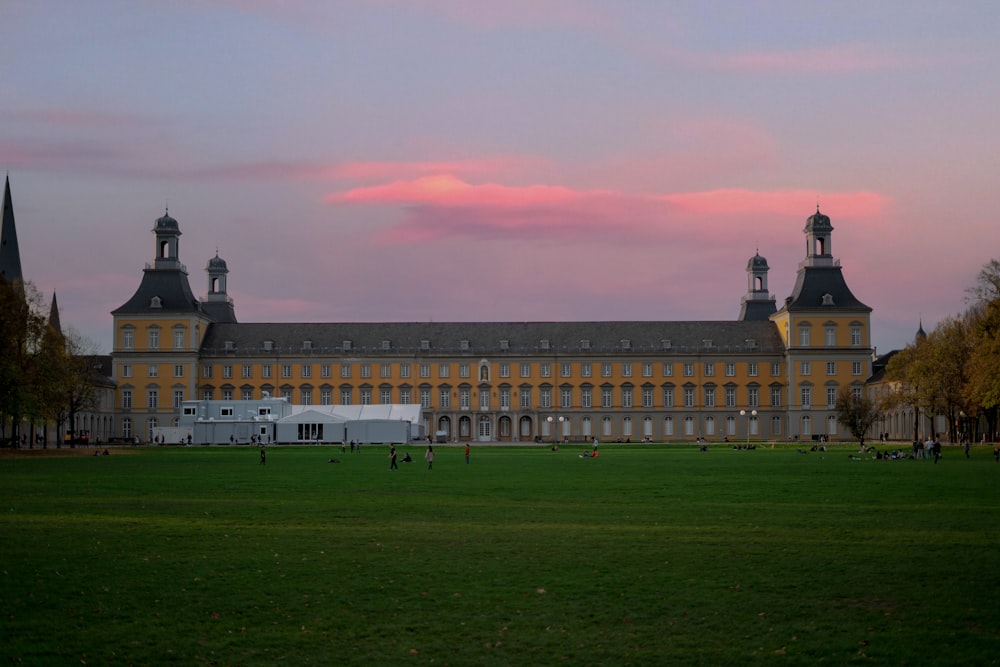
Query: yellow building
770	374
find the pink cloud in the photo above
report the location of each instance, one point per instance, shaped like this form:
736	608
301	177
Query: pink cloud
444	206
835	59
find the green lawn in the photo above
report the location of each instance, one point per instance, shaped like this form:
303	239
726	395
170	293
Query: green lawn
648	555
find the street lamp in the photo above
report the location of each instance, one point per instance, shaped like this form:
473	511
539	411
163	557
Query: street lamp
553	423
752	415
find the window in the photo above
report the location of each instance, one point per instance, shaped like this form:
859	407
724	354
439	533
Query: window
307	371
444	399
856	392
586	370
545	397
153	371
504	398
831	368
152	399
688	426
775	369
709	397
855	336
444	370
425	370
126	399
627	370
730	369
307	396
566	370
688	370
247	394
831	398
607	399
265	371
227	395
463	370
730	425
345	370
730	397
385	396
178	339
247	371
753	396
206	394
526	370
347	396
668	426
830	336
464	398
366	370
126	370
566	398
366	396
545	370
805	368
324	371
586	397
404	370
404	395
775	397
668	370
688	397
227	371
484	400
668	397
385	371
806	396
647	370
855	368
154	338
647	397
752	369
128	339
804	336
606	370
626	397
425	345
709	369
178	370
775	425
525	397
326	397
505	370
206	371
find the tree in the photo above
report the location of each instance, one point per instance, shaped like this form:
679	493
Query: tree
22	329
857	412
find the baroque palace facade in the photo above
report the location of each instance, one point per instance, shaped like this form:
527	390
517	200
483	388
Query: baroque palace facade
771	374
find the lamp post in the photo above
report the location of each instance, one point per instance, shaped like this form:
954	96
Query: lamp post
555	422
751	415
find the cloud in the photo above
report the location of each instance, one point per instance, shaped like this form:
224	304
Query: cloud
840	58
444	206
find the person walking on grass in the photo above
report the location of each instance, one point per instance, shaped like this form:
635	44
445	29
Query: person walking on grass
430	457
392	458
263	455
467	448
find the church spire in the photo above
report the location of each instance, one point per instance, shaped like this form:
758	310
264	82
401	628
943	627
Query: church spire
54	316
10	253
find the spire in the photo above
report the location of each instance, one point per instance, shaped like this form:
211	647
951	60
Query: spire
54	315
10	253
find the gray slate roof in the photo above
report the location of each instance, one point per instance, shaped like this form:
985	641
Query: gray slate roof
486	337
813	282
170	285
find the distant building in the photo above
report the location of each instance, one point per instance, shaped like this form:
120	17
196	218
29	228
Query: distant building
769	374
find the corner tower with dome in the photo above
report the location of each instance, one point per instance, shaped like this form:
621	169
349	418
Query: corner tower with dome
827	336
158	334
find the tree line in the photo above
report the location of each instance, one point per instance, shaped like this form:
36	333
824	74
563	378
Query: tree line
954	370
46	376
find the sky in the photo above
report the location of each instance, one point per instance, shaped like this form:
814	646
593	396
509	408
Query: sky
523	160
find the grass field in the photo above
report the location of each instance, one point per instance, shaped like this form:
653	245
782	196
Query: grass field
648	555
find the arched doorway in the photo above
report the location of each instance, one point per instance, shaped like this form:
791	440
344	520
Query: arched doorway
525	429
444	426
464	428
504	428
484	429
